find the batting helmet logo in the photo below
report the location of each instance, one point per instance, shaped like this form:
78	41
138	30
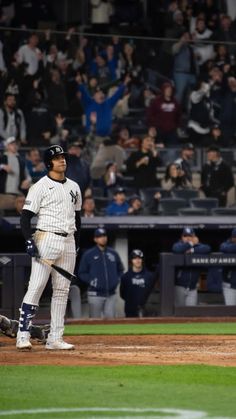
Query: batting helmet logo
50	153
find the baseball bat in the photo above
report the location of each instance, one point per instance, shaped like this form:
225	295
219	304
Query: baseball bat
63	272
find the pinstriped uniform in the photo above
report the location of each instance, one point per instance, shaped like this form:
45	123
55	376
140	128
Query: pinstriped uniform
54	202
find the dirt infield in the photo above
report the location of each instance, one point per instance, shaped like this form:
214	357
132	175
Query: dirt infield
128	350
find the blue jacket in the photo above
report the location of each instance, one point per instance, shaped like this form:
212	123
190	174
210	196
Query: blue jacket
115	209
229	273
188	277
135	288
101	270
103	110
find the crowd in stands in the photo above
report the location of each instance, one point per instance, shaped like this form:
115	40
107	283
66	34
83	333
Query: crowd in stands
117	103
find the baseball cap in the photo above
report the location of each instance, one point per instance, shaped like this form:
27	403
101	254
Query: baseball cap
187	231
78	143
233	234
119	190
99	232
188	146
10	140
136	253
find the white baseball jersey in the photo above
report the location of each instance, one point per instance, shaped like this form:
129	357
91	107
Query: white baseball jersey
55	203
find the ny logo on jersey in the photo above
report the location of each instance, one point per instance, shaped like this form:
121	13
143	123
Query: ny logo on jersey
74	197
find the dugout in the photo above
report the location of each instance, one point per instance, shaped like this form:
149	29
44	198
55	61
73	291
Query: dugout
154	235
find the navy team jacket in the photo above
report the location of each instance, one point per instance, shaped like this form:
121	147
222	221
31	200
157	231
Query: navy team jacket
135	288
188	277
101	270
229	273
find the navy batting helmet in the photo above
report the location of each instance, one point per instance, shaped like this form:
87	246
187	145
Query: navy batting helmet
136	253
50	153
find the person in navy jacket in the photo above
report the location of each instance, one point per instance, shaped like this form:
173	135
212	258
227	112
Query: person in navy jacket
101	268
229	273
136	285
186	279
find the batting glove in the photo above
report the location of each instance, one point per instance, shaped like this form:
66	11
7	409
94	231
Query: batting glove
32	249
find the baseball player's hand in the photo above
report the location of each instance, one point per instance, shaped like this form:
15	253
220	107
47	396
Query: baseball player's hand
77	251
32	249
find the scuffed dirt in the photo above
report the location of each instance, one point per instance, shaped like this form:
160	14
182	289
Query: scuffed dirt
127	350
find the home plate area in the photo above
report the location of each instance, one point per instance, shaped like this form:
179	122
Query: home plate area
128	350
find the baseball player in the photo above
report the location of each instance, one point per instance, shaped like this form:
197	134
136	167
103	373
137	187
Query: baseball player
136	285
100	268
56	201
229	272
187	278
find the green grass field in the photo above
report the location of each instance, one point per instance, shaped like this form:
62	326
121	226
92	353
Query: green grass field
181	391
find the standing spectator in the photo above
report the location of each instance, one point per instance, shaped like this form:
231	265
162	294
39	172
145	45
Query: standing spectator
229	272
186	280
119	205
203	51
184	67
14	177
101	11
30	55
226	33
100	268
164	113
35	164
108	151
136	285
77	167
185	160
216	176
56	91
39	119
143	164
12	121
200	116
228	112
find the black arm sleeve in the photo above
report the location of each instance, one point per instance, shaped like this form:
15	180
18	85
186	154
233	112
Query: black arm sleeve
25	222
78	227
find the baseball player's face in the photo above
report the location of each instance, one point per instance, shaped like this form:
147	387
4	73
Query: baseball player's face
101	241
137	263
59	163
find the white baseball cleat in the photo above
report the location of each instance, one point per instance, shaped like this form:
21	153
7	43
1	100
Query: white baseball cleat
59	345
23	340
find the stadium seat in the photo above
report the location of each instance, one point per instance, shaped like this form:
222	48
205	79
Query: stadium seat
223	211
192	211
170	206
147	195
207	203
185	193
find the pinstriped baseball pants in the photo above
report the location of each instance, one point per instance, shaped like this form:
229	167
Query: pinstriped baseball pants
60	250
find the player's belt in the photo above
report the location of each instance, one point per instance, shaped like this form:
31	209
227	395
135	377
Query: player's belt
53	232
